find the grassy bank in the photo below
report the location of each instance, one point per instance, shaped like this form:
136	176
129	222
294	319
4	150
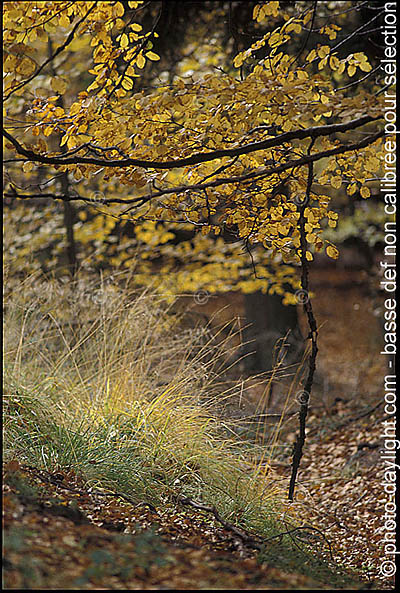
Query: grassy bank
111	384
116	387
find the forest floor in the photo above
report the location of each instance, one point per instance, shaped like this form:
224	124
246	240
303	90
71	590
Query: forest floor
61	535
58	534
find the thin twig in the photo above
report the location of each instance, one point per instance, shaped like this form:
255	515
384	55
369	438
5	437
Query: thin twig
49	478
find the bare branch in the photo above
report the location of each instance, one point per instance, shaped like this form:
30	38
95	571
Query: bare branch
313	334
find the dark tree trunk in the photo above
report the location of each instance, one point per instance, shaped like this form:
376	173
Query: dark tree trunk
69	210
268	321
69	218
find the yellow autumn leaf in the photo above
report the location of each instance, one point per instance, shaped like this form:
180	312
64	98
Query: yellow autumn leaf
360	56
71	142
332	252
140	61
119	8
351	70
58	85
336	182
50	27
323	51
365	192
64	21
311	237
311	56
74	109
351	188
296	27
238	61
9	63
365	67
256	11
334	62
27	166
275	39
127	83
302	75
119	24
323	63
32	35
271	8
26	67
152	56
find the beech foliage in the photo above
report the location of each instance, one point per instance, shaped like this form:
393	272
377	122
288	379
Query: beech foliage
208	170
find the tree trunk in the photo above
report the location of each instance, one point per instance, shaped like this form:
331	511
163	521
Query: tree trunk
268	321
69	210
69	216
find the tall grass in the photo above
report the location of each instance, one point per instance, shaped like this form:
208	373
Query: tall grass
118	387
113	385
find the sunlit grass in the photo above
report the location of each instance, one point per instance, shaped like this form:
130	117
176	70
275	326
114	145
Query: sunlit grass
114	386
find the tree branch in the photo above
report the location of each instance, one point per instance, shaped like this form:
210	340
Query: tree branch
314	132
258	174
